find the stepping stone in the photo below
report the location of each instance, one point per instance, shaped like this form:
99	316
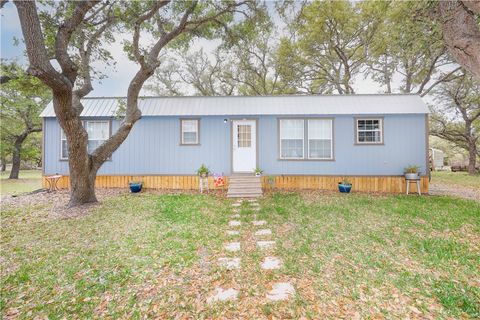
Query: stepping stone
223	295
236	204
256	209
236	215
252	200
233	233
263	232
232	246
271	263
281	291
265	244
230	263
234	223
259	222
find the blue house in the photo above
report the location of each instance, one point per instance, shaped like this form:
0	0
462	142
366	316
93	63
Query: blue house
309	142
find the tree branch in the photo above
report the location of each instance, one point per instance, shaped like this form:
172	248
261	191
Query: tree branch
40	65
64	35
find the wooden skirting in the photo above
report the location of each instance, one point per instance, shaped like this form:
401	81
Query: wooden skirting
149	182
386	184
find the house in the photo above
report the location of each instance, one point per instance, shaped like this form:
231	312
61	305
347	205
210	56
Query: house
305	142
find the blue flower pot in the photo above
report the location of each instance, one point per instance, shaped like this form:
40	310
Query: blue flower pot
344	188
135	187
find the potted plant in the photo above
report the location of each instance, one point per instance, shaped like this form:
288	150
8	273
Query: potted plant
344	186
271	181
135	186
411	172
258	172
203	171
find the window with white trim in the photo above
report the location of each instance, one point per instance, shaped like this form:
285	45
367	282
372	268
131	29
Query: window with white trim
320	139
63	145
292	138
98	131
369	131
189	131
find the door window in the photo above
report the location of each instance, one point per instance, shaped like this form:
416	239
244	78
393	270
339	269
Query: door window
244	135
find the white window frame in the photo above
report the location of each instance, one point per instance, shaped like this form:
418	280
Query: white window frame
280	139
182	141
357	136
63	137
331	138
98	121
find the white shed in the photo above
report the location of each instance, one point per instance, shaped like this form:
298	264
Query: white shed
436	158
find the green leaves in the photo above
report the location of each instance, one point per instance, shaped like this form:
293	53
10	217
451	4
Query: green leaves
23	98
329	47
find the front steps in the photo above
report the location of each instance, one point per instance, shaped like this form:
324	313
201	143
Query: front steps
244	186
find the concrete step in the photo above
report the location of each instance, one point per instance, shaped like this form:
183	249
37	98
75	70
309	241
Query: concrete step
244	179
244	186
244	191
242	195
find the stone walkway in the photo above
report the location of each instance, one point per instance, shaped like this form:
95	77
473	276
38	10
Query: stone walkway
280	291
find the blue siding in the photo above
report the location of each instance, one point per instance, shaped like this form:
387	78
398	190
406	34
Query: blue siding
153	148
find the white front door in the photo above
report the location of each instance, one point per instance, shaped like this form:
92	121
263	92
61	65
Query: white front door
244	145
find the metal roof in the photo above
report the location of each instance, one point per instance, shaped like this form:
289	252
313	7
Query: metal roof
257	105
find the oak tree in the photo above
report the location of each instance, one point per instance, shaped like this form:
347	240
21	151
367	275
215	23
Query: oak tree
327	48
456	115
23	98
77	32
407	53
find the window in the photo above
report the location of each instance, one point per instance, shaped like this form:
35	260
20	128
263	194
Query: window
189	131
98	132
244	136
318	134
291	138
320	142
369	131
63	145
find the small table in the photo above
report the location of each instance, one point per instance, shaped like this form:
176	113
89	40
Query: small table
417	181
203	184
52	182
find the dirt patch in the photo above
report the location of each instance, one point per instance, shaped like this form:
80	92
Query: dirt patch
57	201
438	189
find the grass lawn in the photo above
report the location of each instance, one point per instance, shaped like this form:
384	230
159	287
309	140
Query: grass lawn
151	255
462	179
29	180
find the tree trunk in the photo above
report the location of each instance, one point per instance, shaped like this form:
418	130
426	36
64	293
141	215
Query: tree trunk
461	33
472	157
82	184
17	148
4	164
81	168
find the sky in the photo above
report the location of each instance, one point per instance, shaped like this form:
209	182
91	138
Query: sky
118	77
